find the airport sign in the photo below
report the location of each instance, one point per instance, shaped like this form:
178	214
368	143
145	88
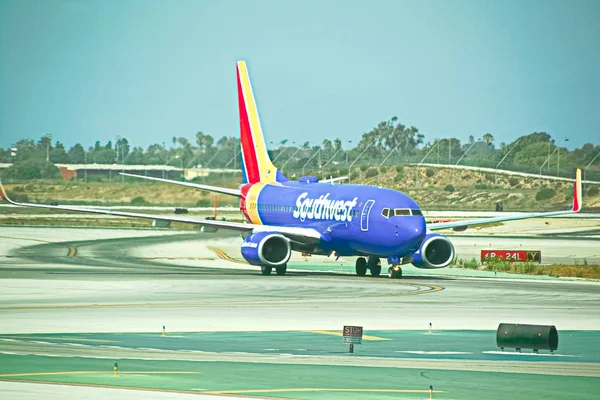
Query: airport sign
352	334
512	255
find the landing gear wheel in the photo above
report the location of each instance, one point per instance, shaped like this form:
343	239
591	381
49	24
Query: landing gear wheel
374	265
361	266
281	270
395	273
266	270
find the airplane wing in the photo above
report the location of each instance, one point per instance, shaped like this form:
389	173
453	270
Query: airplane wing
216	189
460	225
300	235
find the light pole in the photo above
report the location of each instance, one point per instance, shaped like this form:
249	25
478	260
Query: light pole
421	162
291	157
335	154
503	158
309	160
281	152
558	158
48	137
85	163
119	144
213	157
13	154
389	154
551	154
363	152
465	153
385	159
347	151
591	162
429	152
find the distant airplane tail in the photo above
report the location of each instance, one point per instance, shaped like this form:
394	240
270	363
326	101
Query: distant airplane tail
256	164
577	195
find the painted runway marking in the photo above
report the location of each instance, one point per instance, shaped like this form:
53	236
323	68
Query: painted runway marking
176	258
283	390
98	372
515	353
142	389
225	256
335	333
431	289
72	251
433	352
61	338
32	240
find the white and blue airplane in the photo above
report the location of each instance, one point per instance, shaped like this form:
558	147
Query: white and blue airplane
320	217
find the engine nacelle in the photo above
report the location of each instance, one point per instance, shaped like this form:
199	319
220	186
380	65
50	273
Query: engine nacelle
436	251
266	248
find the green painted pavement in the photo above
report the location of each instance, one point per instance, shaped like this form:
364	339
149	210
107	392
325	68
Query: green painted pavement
295	381
574	346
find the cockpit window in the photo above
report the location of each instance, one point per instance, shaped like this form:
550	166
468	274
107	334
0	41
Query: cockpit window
418	212
401	211
386	212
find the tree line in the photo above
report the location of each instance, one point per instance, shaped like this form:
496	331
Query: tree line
389	142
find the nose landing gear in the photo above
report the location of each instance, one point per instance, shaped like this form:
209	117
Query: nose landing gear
395	271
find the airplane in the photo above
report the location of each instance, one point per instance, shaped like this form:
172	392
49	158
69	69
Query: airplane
320	217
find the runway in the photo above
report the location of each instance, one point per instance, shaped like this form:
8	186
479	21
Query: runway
67	281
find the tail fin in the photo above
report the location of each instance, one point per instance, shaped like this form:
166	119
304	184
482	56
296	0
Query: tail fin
256	164
577	195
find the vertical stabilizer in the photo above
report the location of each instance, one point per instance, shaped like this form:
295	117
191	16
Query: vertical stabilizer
256	164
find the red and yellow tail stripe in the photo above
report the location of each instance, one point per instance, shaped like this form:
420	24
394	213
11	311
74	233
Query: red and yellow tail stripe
577	201
257	166
249	202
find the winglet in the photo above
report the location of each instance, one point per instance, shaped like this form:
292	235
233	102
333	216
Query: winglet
4	195
577	195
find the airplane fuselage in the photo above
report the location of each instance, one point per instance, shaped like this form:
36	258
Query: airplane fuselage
352	219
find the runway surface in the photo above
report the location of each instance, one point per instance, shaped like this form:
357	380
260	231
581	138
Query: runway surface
67	281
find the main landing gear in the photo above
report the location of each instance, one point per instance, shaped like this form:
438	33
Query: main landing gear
280	269
373	265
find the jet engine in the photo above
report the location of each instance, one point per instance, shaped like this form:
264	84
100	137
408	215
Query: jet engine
436	251
270	249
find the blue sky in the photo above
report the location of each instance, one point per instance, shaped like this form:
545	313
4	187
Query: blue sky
150	70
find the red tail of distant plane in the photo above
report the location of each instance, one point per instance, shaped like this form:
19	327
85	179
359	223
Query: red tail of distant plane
577	203
256	164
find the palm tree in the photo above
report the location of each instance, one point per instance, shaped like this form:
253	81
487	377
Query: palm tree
337	144
327	146
488	138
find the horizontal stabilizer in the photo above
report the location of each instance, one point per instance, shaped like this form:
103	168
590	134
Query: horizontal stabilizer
332	180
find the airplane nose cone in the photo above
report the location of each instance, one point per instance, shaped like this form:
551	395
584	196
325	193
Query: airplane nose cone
413	234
